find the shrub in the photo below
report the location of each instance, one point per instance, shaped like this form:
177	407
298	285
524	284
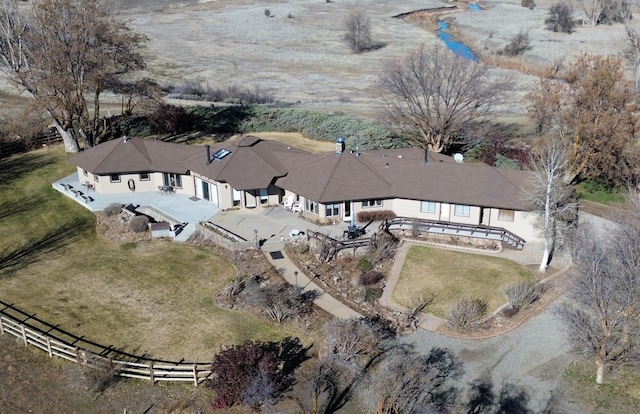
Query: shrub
139	224
466	314
112	209
171	119
560	18
255	373
372	294
370	277
267	12
523	294
520	43
376	215
364	264
529	4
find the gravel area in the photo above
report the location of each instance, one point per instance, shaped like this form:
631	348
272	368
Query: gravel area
533	358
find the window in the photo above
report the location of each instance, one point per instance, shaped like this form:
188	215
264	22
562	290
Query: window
310	206
371	203
144	176
462	211
86	174
332	209
428	207
173	180
264	196
96	177
115	178
505	215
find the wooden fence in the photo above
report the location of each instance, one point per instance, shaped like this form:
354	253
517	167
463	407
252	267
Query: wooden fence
95	355
47	138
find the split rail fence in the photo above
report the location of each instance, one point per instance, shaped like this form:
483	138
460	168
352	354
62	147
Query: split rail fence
14	322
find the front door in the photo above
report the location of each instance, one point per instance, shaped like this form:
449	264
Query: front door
347	211
445	209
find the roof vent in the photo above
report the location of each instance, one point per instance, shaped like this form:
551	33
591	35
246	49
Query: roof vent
399	155
125	138
459	158
386	165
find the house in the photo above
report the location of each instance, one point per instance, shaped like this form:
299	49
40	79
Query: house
251	173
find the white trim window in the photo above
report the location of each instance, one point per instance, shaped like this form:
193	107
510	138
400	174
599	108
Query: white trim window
145	176
462	210
332	210
172	180
96	178
114	178
428	207
310	206
506	215
371	203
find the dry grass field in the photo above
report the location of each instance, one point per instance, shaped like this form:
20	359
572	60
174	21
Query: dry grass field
299	57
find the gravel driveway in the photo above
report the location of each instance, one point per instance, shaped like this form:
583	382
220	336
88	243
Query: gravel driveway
532	357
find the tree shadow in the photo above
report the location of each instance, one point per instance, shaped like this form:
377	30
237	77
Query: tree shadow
18	258
19	206
15	168
483	399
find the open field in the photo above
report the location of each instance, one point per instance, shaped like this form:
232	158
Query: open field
450	275
148	297
298	54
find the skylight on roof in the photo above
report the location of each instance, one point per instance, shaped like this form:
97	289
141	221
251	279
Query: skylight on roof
221	153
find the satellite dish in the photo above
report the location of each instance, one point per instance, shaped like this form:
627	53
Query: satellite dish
458	157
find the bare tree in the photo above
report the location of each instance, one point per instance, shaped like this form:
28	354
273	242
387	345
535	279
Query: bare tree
550	197
62	51
560	18
603	321
604	11
406	382
358	27
433	94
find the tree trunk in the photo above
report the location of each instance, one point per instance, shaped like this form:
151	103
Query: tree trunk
544	263
599	371
68	137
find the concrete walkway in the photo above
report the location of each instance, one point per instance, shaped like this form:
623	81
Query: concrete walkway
273	227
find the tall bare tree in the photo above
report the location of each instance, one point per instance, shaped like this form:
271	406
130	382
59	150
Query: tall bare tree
550	196
432	94
593	111
60	52
358	30
603	321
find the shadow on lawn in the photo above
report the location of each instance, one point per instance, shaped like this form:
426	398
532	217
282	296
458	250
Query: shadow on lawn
15	168
22	205
13	259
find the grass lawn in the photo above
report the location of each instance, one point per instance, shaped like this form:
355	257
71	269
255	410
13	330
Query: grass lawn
149	297
453	275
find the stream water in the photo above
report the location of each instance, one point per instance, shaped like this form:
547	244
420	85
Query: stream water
454	45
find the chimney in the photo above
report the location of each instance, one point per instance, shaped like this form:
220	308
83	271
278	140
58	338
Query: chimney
340	146
426	157
208	154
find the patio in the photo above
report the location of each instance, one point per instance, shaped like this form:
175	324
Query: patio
178	207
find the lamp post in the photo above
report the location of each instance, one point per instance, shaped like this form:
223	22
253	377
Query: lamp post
255	232
295	273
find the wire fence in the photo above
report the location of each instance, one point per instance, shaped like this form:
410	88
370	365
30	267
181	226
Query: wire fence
58	343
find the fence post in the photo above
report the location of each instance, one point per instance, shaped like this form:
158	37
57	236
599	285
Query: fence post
195	375
153	381
49	347
24	335
1	326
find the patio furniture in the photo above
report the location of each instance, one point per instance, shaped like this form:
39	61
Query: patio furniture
88	186
166	189
288	202
66	186
295	208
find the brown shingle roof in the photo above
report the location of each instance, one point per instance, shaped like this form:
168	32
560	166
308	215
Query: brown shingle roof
402	173
252	163
134	155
